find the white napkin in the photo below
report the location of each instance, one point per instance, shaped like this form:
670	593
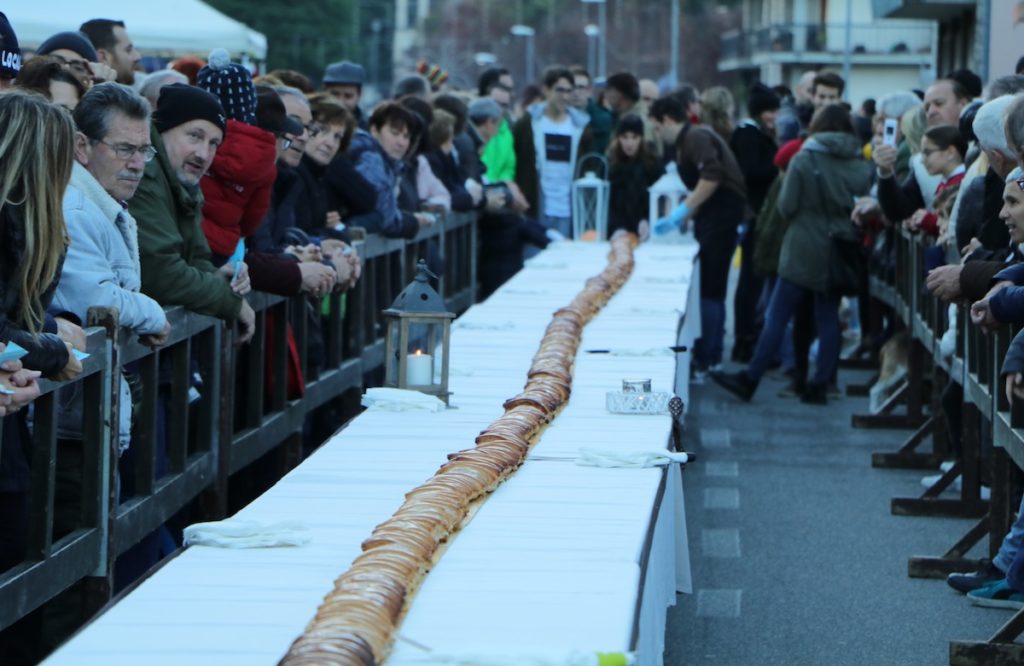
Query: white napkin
401	400
596	458
577	658
639	351
485	325
543	262
240	533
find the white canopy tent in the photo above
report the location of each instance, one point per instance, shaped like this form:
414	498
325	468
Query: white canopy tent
164	28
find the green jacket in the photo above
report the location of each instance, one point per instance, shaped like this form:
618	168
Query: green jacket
769	231
176	267
817	197
499	155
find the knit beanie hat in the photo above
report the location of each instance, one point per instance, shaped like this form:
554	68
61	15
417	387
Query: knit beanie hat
631	123
762	98
232	83
180	103
10	52
72	41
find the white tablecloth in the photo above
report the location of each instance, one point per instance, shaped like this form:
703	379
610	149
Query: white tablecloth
559	558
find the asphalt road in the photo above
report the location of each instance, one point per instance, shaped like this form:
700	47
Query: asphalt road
796	557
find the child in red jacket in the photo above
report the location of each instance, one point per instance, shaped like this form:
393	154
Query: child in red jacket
238	185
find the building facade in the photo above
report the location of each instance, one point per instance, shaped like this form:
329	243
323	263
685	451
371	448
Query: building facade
781	39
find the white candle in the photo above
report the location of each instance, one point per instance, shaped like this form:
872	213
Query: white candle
420	369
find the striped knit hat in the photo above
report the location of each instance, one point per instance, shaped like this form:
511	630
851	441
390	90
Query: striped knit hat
232	83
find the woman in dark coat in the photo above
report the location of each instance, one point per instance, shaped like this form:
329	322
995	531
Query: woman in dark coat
817	197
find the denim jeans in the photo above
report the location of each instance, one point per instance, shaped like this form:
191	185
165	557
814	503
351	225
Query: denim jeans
1011	548
785	299
708	349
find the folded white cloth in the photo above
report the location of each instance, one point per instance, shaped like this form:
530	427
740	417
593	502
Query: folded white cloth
485	325
544	262
401	400
241	533
596	458
641	351
577	658
657	279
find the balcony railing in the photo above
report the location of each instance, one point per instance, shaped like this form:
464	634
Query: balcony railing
828	39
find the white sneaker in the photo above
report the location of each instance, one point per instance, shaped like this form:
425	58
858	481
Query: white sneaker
930	481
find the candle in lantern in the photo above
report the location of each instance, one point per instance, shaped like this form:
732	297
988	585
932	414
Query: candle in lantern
420	369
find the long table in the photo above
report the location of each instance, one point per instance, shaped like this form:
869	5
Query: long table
561	558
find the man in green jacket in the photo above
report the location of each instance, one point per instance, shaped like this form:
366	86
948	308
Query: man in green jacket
188	125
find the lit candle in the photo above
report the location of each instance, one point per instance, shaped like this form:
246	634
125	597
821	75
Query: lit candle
420	369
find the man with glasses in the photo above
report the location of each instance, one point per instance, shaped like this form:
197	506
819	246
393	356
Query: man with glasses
188	127
549	139
601	120
114	48
76	53
101	268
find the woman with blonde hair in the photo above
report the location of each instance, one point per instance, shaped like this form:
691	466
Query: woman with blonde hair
718	108
36	153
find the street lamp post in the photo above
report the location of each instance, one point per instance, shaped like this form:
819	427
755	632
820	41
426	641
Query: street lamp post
526	31
592	32
602	26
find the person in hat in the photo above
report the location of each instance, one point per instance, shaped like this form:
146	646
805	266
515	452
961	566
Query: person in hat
48	77
75	51
10	53
114	48
236	189
753	143
188	127
344	80
632	169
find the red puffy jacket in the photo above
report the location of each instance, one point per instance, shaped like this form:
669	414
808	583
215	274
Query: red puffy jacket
238	185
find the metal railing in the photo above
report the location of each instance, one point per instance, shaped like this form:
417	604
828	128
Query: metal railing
898	281
828	38
205	409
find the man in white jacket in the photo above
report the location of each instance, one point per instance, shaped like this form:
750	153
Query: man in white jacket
102	263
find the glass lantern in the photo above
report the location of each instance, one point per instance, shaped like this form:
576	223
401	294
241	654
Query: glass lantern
665	194
418	333
590	207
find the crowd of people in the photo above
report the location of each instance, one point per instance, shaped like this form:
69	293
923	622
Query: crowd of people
193	185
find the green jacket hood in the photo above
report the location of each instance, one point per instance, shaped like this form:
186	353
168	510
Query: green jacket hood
839	144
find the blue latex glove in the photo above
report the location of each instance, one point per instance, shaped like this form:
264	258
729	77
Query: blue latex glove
672	220
236	259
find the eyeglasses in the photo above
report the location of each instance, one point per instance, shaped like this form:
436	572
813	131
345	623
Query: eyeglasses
125	151
81	66
929	151
286	143
562	91
1020	183
314	130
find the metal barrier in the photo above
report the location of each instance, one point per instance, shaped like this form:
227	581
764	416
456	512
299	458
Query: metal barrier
975	366
207	408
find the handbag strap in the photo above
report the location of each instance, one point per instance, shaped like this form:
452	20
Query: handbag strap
826	203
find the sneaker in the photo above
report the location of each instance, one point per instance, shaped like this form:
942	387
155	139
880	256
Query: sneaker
931	480
996	595
737	383
814	394
987	574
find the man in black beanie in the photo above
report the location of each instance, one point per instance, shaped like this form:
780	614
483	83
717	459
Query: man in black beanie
10	53
753	143
76	52
188	126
